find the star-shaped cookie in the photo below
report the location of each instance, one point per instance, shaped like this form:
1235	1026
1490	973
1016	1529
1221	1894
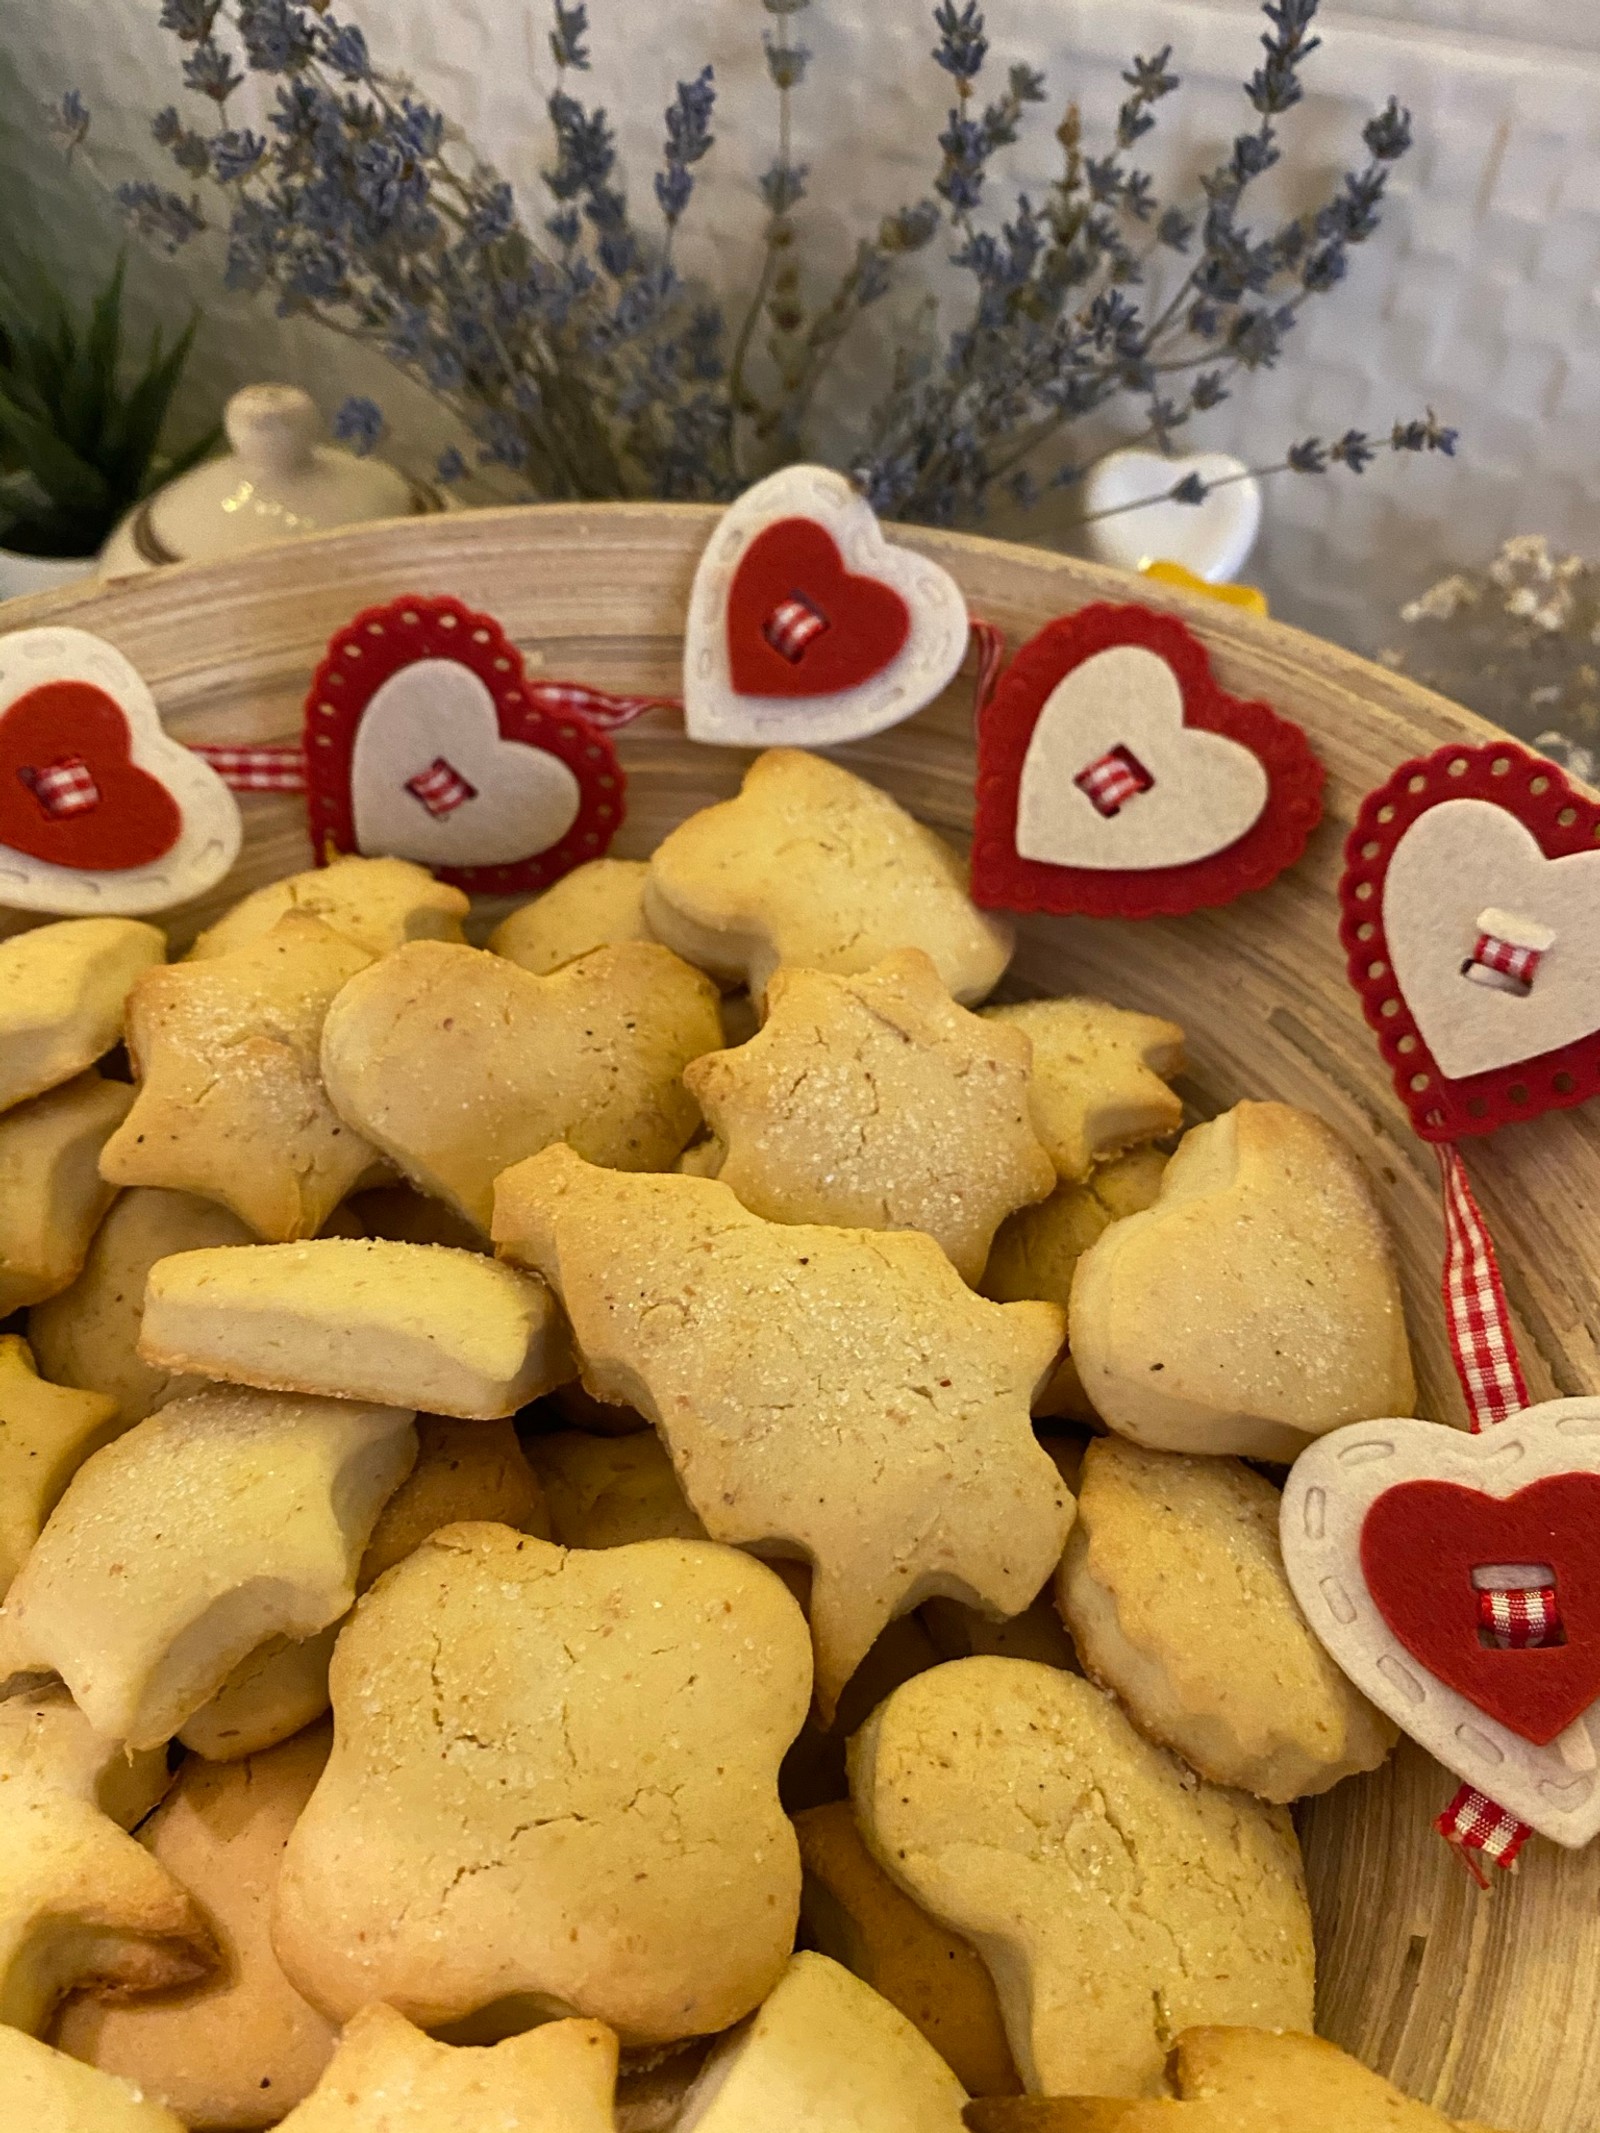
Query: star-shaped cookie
1100	1078
52	1195
834	1394
46	1433
875	1102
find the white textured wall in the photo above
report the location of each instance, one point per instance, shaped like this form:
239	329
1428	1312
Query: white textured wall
1478	297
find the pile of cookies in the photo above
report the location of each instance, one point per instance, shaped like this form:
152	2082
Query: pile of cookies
648	1525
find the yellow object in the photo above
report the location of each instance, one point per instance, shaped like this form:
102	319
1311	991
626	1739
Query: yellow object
1249	597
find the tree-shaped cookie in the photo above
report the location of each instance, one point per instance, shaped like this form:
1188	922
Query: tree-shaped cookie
876	1102
554	1783
834	1394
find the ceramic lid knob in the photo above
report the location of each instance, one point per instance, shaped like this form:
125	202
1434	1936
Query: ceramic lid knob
272	427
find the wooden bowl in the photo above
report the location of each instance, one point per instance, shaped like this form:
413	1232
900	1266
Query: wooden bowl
1488	2005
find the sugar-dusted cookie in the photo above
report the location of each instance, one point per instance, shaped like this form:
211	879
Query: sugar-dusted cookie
813	866
876	1102
51	1193
406	1216
854	1913
46	1433
1255	1305
241	2046
1174	1589
231	1103
825	2051
464	1470
456	1063
81	1904
595	906
387	2077
1114	1898
1100	1077
61	994
379	904
603	1492
835	1394
358	1318
274	1692
224	1519
47	2092
554	1782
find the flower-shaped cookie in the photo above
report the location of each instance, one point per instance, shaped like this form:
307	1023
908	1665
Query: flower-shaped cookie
379	904
834	1394
61	994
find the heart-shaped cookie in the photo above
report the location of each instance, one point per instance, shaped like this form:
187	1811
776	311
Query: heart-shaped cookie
1392	1533
807	626
1116	778
423	741
99	811
1471	920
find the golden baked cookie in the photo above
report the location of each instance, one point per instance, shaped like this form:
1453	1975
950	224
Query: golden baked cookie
241	2046
602	1492
379	904
61	992
273	1693
1255	1305
595	906
1174	1589
1100	1077
875	1102
231	1103
358	1318
46	1433
554	1783
464	1470
813	866
227	1518
456	1063
1115	1898
51	1193
835	1394
44	2091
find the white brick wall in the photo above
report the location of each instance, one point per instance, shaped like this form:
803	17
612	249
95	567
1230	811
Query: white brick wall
1479	296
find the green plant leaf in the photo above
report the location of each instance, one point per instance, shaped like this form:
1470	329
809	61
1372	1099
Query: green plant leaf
89	383
131	436
68	480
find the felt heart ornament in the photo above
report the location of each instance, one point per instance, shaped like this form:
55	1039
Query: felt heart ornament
807	627
101	812
1415	1551
1116	778
424	741
1470	909
1213	538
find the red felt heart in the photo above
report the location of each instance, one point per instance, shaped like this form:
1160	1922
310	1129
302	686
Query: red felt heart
70	792
1421	1542
790	579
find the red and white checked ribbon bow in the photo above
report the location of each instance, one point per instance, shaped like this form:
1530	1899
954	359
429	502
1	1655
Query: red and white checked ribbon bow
792	625
441	788
1112	780
63	788
1524	1618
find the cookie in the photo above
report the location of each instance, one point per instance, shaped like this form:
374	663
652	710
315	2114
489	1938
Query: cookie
875	1102
224	1519
1100	1077
1255	1305
231	1103
825	2051
464	1470
81	1904
554	1782
378	904
51	1193
88	1335
702	1158
1114	1898
603	1492
240	2047
407	1325
387	2077
47	2092
813	866
61	994
851	1910
915	1472
457	1064
1174	1589
273	1693
595	906
46	1433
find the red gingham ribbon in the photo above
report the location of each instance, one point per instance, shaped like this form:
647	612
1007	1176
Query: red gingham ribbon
280	767
441	788
1511	958
1111	781
63	788
990	645
792	625
1478	1827
1524	1619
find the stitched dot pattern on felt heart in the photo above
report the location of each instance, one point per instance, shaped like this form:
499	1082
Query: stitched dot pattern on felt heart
70	792
800	623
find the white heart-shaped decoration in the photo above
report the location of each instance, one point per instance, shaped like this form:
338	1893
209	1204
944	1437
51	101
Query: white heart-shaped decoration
1212	538
1205	790
436	711
1455	860
715	711
1331	1488
212	831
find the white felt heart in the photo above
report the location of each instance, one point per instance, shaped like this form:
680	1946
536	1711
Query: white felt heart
1331	1488
1204	790
1455	861
211	833
1212	538
714	711
430	731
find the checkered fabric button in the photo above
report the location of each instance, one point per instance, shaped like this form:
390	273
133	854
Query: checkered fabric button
63	788
1112	780
792	626
441	788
